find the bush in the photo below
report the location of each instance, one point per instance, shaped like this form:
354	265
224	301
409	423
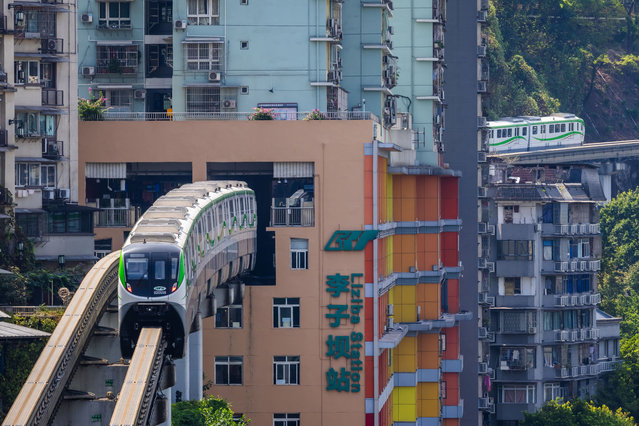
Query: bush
315	115
262	114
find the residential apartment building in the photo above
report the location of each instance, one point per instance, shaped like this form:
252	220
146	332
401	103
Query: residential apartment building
38	135
542	335
180	81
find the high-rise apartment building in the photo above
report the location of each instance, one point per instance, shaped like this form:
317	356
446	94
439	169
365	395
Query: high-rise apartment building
38	133
542	335
352	313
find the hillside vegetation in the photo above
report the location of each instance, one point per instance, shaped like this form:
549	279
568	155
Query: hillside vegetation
579	56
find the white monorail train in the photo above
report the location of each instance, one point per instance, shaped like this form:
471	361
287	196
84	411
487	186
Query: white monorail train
190	241
529	133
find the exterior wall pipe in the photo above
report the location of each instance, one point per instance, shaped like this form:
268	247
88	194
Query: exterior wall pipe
375	284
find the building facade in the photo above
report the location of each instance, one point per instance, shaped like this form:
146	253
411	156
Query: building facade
38	137
542	335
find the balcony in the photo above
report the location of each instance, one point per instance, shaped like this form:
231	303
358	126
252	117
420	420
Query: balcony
114	213
52	97
293	216
52	149
605	366
571	229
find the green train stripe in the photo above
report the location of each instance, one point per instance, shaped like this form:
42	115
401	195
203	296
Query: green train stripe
507	141
560	136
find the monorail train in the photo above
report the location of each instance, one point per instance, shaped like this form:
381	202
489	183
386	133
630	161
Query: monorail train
190	241
528	133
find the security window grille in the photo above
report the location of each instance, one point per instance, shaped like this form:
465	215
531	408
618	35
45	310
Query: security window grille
31	224
115	15
119	98
286	419
286	312
516	358
229	317
117	59
518	322
228	370
34	23
204	56
517	394
299	253
202	99
286	370
515	250
203	12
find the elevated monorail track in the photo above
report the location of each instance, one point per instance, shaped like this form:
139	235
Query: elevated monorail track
599	151
42	392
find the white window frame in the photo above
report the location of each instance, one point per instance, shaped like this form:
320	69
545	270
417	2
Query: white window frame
118	22
204	56
48	170
529	393
286	419
209	101
207	12
299	253
555	389
284	367
27	67
123	97
229	361
289	307
32	174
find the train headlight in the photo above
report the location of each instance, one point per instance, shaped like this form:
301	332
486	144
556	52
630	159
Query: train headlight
128	288
174	288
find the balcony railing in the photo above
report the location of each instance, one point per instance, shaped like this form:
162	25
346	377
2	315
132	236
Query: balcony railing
52	97
577	229
113	217
293	216
222	116
605	366
578	266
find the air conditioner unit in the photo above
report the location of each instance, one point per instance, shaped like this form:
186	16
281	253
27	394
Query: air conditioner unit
490	266
180	24
87	18
215	76
229	104
52	45
532	330
63	194
139	94
88	71
48	194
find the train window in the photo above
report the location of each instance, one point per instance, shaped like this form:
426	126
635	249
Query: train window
137	267
174	268
524	130
563	127
510	132
499	133
534	130
557	127
551	129
159	270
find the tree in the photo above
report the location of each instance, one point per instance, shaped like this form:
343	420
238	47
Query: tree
210	411
577	413
621	388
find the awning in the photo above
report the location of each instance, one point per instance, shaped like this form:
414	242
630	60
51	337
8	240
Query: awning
10	331
67	207
202	85
115	86
44	57
42	109
4	216
115	43
203	39
105	170
291	169
29	211
34	160
51	7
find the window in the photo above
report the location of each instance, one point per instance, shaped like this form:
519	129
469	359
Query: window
551	128
552	391
228	370
499	133
244	44
534	130
47	75
117	59
70	222
286	312
286	419
47	176
27	174
202	99
203	12
524	131
286	370
542	128
580	248
27	72
244	90
229	317
204	56
516	131
512	286
518	321
515	250
299	253
114	15
517	394
510	132
516	358
548	249
563	127
31	224
119	98
244	2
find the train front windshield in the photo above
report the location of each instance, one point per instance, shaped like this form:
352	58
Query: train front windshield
152	273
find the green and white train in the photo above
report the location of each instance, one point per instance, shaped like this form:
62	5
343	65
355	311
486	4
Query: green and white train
190	241
528	133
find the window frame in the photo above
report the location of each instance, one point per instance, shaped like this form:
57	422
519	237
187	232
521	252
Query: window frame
228	361
195	61
299	255
286	419
286	366
529	394
211	16
113	23
226	312
292	303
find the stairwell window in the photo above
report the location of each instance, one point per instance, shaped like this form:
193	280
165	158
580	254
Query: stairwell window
228	370
286	312
286	370
299	253
203	12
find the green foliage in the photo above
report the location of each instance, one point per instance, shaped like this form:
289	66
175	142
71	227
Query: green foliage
315	115
210	411
621	388
262	114
576	413
91	109
34	287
